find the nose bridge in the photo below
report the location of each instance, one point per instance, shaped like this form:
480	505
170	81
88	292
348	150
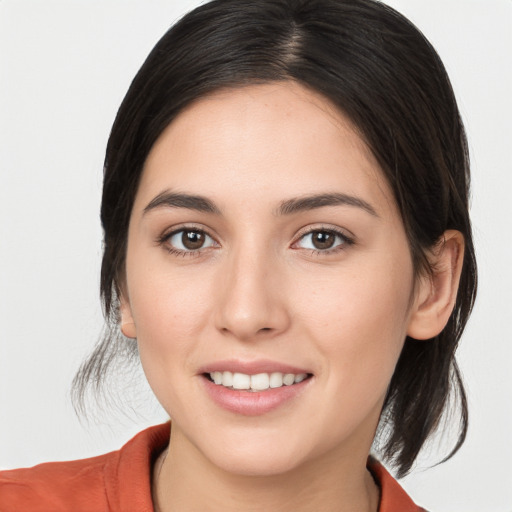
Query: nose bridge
250	299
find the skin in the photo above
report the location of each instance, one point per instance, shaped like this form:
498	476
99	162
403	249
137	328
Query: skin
258	289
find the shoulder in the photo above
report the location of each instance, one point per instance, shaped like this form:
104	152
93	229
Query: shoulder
56	486
392	496
96	484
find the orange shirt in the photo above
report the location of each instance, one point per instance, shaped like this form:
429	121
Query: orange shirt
121	482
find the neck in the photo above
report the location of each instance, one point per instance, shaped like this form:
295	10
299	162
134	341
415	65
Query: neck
183	480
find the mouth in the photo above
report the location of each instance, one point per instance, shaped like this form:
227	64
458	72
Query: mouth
252	388
256	382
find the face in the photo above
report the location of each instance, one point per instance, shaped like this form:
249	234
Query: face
265	251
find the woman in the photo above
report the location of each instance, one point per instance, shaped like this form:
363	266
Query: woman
287	240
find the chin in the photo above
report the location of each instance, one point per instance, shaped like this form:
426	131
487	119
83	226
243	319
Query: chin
264	464
256	453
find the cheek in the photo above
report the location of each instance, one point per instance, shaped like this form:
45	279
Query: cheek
166	303
169	310
359	320
169	314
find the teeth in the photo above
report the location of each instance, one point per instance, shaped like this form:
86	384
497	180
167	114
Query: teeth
241	381
227	379
288	379
276	380
258	382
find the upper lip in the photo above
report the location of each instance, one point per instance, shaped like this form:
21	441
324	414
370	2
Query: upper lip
251	367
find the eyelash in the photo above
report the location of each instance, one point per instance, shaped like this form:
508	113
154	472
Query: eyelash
164	241
346	241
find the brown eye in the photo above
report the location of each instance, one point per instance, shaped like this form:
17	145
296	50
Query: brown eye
187	240
323	240
192	240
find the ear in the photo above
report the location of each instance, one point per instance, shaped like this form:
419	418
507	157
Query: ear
436	294
127	323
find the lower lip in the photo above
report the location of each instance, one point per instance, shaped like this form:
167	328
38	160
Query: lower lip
253	403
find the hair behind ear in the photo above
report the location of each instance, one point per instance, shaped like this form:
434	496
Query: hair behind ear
427	373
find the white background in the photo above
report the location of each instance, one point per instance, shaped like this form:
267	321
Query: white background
64	68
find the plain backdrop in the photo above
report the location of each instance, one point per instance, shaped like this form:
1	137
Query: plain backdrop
64	68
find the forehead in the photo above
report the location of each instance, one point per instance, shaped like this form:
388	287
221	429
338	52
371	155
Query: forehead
269	140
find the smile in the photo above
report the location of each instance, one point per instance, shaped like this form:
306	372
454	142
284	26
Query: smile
252	388
257	382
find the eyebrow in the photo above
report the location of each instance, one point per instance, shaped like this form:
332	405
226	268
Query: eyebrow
300	204
177	200
202	204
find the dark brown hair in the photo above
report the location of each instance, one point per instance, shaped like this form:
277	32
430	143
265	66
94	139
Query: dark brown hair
385	76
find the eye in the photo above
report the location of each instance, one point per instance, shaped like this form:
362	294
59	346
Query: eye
189	240
323	240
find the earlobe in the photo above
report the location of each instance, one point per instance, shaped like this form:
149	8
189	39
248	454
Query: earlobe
127	324
436	294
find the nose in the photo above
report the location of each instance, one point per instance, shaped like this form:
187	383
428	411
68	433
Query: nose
252	300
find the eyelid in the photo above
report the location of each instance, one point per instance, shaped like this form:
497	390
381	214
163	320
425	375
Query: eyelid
164	238
348	238
166	233
325	227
